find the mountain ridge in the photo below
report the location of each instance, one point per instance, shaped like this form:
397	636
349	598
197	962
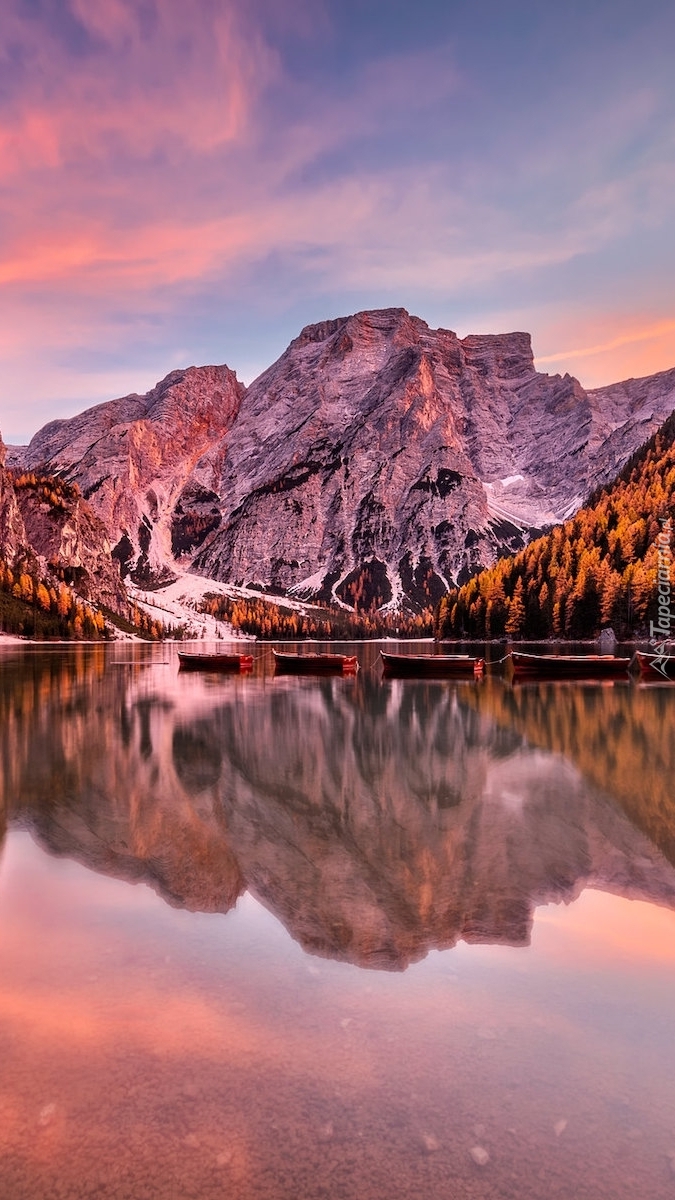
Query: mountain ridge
377	461
601	567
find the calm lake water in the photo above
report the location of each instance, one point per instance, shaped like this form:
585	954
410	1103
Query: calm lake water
303	938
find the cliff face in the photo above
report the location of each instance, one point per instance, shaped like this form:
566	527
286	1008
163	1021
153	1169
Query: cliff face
71	542
13	542
58	536
628	413
132	458
350	470
376	458
381	455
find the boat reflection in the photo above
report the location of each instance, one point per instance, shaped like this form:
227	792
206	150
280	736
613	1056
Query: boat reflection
376	820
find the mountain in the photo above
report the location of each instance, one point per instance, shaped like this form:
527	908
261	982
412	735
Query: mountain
13	541
381	455
132	459
50	534
601	567
376	459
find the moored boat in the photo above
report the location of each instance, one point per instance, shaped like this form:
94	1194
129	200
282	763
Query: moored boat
432	666
656	666
568	666
215	662
312	664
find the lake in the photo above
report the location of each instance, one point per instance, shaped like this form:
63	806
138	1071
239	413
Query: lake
311	938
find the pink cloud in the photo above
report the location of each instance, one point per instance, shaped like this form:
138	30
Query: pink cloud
188	84
173	153
629	338
610	345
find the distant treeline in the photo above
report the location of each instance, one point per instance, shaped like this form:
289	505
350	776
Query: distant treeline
271	621
36	608
598	568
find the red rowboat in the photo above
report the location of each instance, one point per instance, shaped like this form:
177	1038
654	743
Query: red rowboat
311	664
432	666
568	666
215	662
656	666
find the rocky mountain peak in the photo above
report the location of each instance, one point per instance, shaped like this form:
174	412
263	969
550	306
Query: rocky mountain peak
384	457
320	331
506	356
132	458
377	458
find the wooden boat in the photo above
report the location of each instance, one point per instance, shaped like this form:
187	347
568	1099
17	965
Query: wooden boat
432	666
215	662
655	666
312	664
568	666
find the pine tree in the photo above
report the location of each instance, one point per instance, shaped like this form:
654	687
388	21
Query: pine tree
516	618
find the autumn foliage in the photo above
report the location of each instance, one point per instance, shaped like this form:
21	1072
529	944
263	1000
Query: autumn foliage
270	621
53	491
43	608
598	568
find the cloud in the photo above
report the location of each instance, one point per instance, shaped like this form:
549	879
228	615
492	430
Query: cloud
384	229
183	80
151	150
173	146
159	163
618	344
626	339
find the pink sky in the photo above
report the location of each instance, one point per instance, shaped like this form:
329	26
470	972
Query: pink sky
188	184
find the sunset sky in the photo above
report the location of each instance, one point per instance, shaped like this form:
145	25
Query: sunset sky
193	182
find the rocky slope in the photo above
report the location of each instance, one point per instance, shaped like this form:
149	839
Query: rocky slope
383	454
628	414
600	567
132	459
376	458
53	534
13	542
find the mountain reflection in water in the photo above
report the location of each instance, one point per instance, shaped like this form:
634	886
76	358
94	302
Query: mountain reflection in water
376	820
